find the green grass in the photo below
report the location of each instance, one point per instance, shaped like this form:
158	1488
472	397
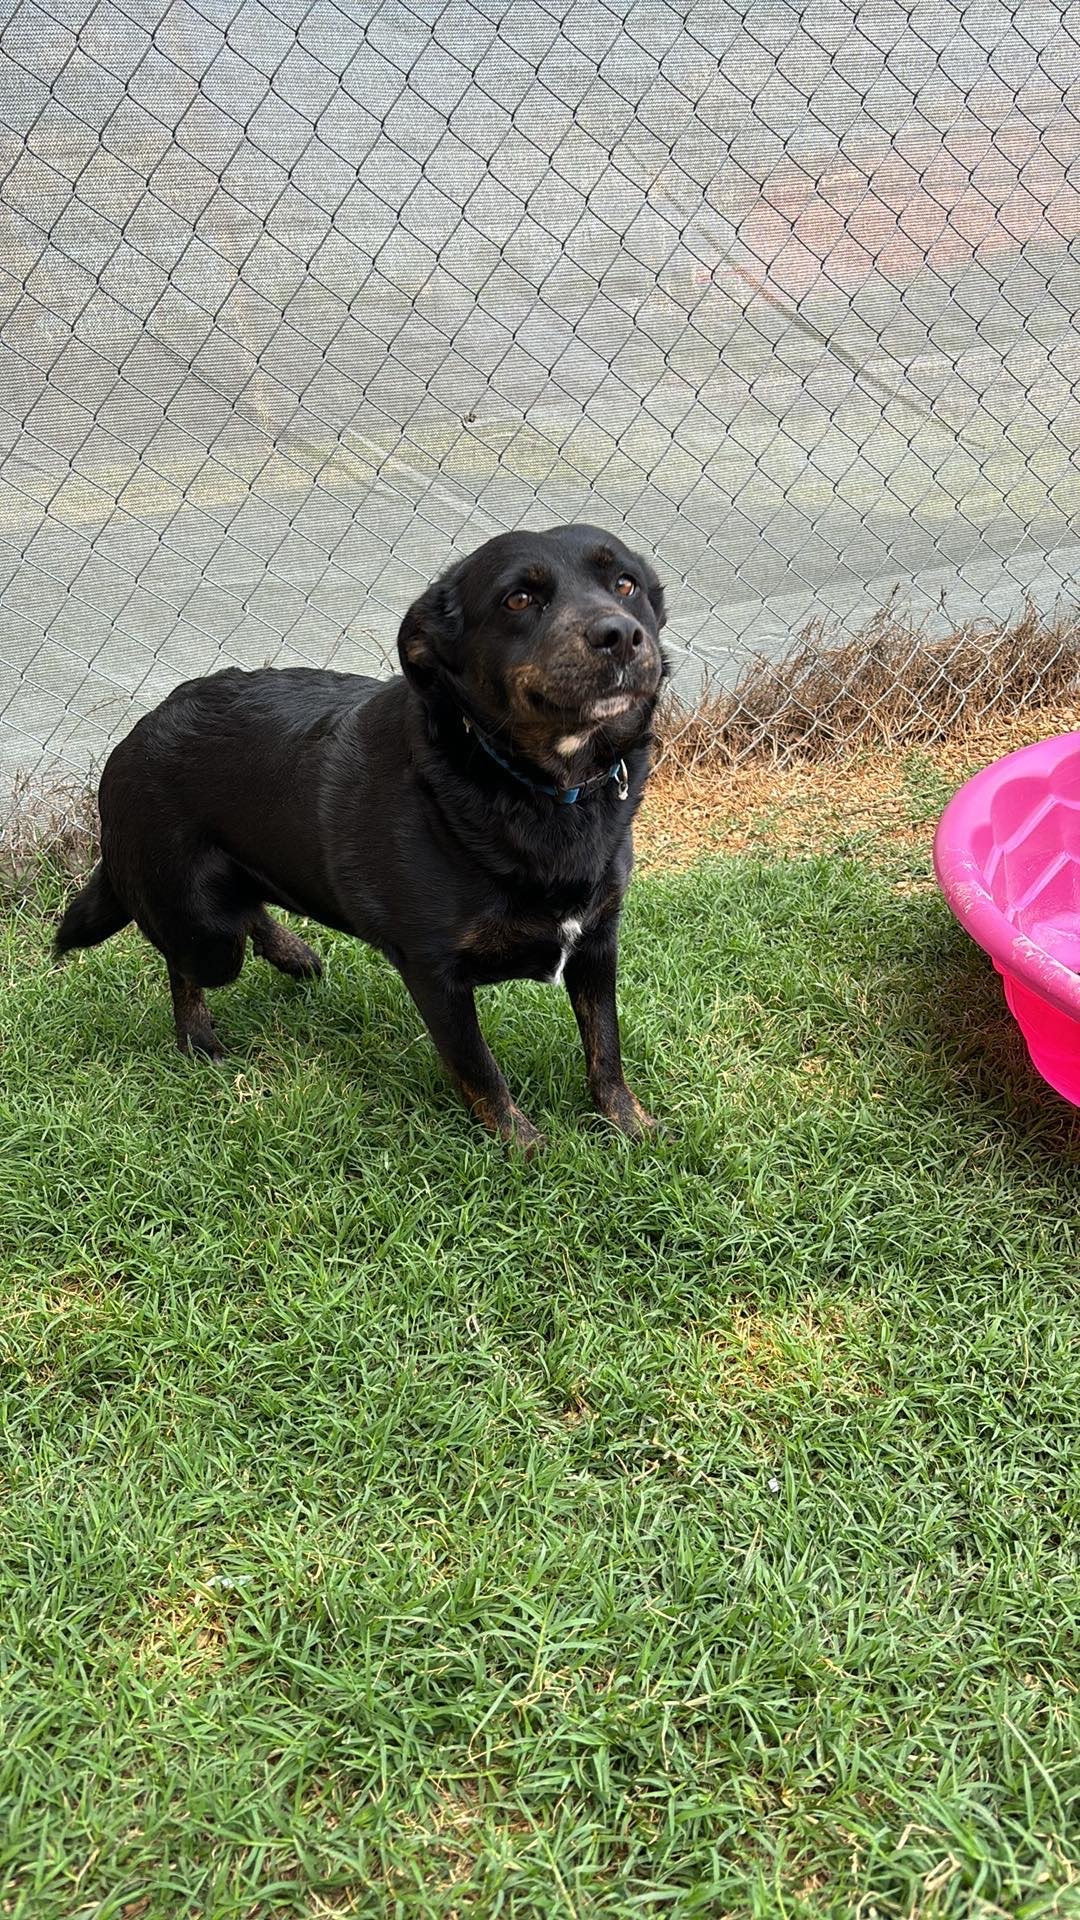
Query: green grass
391	1527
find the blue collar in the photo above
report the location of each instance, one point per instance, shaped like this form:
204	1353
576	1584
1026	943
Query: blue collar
566	796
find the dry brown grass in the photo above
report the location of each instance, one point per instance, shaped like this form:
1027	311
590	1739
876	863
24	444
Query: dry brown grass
49	823
891	684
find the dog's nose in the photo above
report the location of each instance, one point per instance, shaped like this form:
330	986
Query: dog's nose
616	634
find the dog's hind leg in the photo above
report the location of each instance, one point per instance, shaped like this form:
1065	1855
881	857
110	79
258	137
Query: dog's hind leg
284	950
194	1027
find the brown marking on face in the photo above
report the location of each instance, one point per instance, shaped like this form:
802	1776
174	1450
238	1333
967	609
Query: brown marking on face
526	682
535	731
547	700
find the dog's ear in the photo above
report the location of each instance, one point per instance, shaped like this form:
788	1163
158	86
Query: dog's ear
430	633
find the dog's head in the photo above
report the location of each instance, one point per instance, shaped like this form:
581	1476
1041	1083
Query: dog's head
545	640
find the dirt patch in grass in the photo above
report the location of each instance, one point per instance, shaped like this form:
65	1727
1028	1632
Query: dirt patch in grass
871	795
185	1636
70	1294
458	1828
761	1355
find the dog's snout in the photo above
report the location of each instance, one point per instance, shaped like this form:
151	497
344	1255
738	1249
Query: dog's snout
616	634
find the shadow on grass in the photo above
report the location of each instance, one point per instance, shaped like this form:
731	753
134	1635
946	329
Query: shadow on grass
962	1023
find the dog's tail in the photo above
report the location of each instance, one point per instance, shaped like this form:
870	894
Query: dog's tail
93	915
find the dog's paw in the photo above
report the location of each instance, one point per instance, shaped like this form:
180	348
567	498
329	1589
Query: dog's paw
521	1134
285	950
516	1130
507	1121
624	1111
203	1045
305	965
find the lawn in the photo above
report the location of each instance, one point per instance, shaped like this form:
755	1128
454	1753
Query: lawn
388	1526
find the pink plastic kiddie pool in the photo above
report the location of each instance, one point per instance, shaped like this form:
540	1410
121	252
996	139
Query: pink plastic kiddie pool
1007	857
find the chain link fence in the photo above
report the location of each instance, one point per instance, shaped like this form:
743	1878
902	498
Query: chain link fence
298	300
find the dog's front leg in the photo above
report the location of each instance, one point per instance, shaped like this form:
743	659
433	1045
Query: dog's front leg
590	982
449	1011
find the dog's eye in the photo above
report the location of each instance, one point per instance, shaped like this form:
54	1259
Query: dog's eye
625	586
517	602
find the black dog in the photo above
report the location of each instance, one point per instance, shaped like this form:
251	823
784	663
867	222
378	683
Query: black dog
471	820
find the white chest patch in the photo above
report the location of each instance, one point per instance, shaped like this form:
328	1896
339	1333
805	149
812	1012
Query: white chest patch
569	934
